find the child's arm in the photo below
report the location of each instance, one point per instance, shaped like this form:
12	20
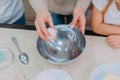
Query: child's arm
98	25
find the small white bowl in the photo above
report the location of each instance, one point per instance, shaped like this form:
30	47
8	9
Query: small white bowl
53	74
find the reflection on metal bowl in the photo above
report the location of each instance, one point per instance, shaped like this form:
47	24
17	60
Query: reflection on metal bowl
69	44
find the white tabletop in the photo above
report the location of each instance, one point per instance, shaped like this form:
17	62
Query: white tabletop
96	52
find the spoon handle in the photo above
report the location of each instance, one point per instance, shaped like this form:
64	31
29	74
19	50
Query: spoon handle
14	40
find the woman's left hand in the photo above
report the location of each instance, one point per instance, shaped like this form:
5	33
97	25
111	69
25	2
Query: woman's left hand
79	19
113	41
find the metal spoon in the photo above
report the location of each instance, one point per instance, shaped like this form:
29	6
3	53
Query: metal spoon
22	56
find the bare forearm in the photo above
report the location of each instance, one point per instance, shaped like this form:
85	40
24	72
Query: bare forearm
106	29
98	25
83	4
37	5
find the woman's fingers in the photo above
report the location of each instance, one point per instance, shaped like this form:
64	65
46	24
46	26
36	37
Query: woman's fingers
40	33
42	18
82	22
50	22
74	20
79	19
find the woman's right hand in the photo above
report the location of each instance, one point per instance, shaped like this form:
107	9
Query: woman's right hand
43	16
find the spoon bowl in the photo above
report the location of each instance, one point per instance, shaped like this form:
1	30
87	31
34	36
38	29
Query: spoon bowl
23	58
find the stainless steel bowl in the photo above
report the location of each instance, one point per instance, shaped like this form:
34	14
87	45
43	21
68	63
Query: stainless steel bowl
69	44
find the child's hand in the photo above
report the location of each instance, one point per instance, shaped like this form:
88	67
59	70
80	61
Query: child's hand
113	41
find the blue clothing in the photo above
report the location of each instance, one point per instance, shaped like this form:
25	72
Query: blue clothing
62	19
21	20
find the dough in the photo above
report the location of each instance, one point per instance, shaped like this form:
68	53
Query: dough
111	76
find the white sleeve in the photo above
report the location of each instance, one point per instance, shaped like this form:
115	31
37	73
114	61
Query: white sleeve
100	4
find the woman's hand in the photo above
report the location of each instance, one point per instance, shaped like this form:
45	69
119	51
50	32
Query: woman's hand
43	16
79	19
113	41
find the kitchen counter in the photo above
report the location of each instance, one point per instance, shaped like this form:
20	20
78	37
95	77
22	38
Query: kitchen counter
95	53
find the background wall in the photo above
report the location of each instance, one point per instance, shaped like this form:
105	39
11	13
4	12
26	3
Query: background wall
29	12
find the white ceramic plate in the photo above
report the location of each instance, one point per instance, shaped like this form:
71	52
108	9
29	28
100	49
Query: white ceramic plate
53	74
101	71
